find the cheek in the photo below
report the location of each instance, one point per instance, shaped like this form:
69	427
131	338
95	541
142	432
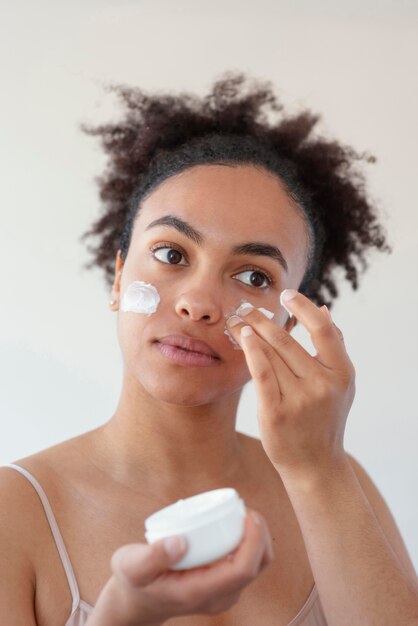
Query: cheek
139	300
140	297
131	332
238	372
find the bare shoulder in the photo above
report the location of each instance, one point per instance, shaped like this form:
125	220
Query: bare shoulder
21	507
20	502
17	500
55	461
17	571
384	517
30	566
24	532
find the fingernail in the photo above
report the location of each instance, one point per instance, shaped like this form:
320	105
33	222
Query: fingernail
233	321
325	309
246	331
284	297
232	340
266	312
288	294
245	309
174	546
256	518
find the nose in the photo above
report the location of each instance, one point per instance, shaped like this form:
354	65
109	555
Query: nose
198	304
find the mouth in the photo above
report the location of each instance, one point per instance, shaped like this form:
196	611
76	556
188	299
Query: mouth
189	344
187	358
188	351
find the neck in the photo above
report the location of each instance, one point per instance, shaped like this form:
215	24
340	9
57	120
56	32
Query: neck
172	449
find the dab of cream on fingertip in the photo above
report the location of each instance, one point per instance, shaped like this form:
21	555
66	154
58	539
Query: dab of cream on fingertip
284	306
244	305
140	297
248	305
266	312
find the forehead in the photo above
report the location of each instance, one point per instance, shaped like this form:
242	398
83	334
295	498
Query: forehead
229	205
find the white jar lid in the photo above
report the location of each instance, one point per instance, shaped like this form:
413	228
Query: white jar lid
194	511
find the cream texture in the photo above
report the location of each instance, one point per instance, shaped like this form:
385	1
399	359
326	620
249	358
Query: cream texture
248	305
244	305
140	297
284	306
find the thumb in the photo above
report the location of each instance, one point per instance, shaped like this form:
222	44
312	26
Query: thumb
139	564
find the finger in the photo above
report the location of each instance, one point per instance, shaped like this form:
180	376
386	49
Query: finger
263	369
227	574
330	349
268	554
272	378
139	564
267	559
297	359
258	350
247	560
264	557
327	314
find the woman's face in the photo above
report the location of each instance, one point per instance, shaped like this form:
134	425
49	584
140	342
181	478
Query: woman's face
204	281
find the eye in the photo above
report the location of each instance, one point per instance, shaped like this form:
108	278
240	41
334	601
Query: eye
173	255
256	278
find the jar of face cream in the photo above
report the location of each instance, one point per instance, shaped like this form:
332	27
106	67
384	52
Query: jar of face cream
212	523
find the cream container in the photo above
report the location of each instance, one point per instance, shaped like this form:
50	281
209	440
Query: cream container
212	523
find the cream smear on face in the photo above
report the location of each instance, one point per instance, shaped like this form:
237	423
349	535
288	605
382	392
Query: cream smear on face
140	297
244	305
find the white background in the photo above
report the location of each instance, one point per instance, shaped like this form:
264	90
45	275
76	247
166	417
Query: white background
60	364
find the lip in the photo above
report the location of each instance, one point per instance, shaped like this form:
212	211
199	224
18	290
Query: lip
189	343
186	358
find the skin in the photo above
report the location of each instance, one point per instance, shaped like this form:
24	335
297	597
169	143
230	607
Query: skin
165	408
173	433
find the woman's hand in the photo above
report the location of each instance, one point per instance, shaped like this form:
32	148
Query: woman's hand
144	591
303	400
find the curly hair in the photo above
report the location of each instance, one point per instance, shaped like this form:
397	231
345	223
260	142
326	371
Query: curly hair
161	134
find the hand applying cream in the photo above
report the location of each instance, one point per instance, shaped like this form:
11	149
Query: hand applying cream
245	305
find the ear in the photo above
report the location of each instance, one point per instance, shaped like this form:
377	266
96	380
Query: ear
118	273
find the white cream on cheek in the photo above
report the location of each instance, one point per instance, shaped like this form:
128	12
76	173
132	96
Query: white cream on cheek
140	297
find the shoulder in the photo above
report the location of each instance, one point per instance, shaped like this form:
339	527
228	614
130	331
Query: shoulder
384	517
24	529
20	512
25	540
17	569
18	498
21	506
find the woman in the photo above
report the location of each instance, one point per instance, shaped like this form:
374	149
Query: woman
210	204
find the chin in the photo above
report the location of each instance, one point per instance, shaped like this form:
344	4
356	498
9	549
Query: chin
181	394
186	387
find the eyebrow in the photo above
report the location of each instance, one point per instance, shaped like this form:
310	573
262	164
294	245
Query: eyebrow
257	248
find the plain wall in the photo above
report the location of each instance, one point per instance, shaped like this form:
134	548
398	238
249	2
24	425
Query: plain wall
60	363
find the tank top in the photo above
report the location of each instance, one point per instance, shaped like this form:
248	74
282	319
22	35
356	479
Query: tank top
311	613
